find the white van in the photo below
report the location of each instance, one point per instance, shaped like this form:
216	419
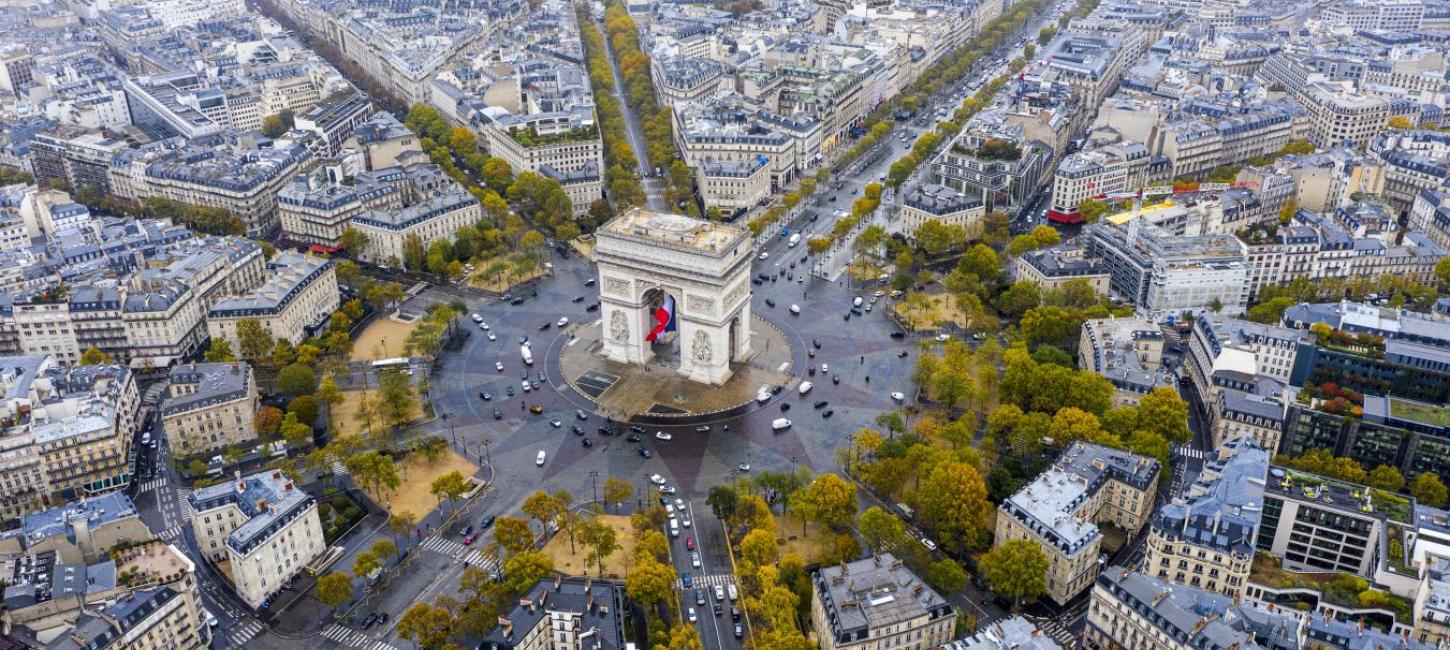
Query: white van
730	588
856	302
806	387
146	437
674	527
780	424
539	460
794	239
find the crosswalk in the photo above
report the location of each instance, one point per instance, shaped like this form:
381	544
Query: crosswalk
172	534
153	484
355	638
1190	452
339	469
718	580
1058	633
457	551
244	633
183	501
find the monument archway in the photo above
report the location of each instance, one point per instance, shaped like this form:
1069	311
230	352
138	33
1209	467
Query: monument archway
684	280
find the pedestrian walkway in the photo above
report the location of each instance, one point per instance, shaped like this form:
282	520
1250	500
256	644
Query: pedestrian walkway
244	632
717	580
183	499
442	546
172	534
1190	452
355	638
486	562
339	469
1058	633
153	484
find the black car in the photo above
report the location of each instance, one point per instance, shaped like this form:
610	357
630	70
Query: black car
633	438
755	281
646	453
820	405
836	379
369	621
739	631
545	326
487	521
901	354
815	344
542	379
516	301
593	307
718	609
578	430
577	299
497	414
636	428
848	316
510	390
587	442
898	335
734	613
589	282
485	396
785	406
581	415
856	311
604	431
828	413
769	302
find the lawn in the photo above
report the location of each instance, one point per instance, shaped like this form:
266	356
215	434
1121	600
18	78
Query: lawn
1420	412
503	281
811	545
383	339
941	308
575	563
584	245
344	415
417	474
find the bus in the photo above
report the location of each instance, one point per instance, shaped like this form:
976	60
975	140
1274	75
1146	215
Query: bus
396	362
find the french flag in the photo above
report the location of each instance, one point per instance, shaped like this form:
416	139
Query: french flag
664	319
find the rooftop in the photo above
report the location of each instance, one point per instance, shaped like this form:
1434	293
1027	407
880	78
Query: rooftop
267	498
1338	495
595	607
874	593
1192	617
1049	504
1221	510
674	231
214	383
1016	633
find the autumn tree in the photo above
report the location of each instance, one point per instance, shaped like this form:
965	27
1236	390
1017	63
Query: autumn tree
449	486
266	420
617	490
828	500
94	357
1429	490
651	582
1016	569
521	570
425	625
882	530
334	589
953	502
513	534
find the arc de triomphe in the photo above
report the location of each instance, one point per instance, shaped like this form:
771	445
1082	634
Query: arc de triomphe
647	257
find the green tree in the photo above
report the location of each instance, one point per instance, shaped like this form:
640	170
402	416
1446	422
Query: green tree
946	576
425	625
254	341
276	124
981	261
440	253
328	393
365	563
334	589
1163	412
599	537
650	583
305	408
415	256
497	174
449	486
1016	569
882	530
521	570
513	534
297	433
383	547
296	379
220	351
1429	490
94	357
396	396
617	490
354	241
1091	210
1386	477
722	501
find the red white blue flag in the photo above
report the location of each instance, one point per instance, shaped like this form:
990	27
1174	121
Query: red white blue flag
664	319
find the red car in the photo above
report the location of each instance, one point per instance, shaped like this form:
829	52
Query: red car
689	543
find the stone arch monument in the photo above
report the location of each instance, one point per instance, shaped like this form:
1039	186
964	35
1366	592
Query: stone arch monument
650	260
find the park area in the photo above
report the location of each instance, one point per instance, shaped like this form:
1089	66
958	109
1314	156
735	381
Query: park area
345	418
929	311
415	495
500	282
385	338
810	545
578	563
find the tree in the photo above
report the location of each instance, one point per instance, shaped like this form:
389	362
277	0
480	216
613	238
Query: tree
305	408
828	500
396	396
1163	412
600	539
953	501
220	350
981	261
525	568
276	124
650	583
94	357
722	500
546	508
882	530
328	393
946	576
267	419
334	589
513	534
425	625
497	174
1386	477
1429	490
296	379
354	241
402	523
449	486
1400	123
1091	210
297	433
758	548
1442	273
1016	569
384	547
254	341
684	637
617	490
365	563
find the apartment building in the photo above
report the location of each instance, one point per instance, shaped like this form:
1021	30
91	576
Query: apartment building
1051	268
1016	633
732	187
1390	16
1432	602
228	174
76	156
382	141
209	406
1314	523
1430	214
298	297
70	433
878	603
941	204
1220	344
264	526
437	217
1246	407
1136	610
1091	65
1061	508
733	129
333	123
1126	351
1340	116
1205	538
686	79
1414	162
1114	169
388	205
562	614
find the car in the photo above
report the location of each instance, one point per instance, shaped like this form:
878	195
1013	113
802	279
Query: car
517	301
667	489
491	337
539	460
587	442
577	299
700	598
589	282
526	386
679	504
718	609
691	615
769	302
734	611
370	620
633	438
554	422
593	307
660	435
669	507
211	620
943	337
498	365
580	414
898	396
684	520
686	580
795	309
636	428
702	428
509	391
483	326
563	321
739	631
825	368
536	409
695	560
605	431
847	317
578	430
820	404
487	521
744	467
832	199
497	414
689	543
485	396
524	340
477	318
719	593
656	479
466	532
545	326
828	413
764	254
930	545
646	453
902	354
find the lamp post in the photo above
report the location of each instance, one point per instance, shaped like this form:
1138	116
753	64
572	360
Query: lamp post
448	418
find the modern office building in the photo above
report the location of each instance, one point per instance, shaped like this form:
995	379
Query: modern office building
1166	274
1315	524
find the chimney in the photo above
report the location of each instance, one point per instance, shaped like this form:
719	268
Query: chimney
276	474
288	487
241	485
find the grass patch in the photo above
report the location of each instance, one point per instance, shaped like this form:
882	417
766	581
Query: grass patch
813	544
1420	412
383	339
932	313
338	513
345	418
578	563
502	281
417	474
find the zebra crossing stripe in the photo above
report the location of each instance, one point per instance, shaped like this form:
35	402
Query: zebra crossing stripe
246	632
355	638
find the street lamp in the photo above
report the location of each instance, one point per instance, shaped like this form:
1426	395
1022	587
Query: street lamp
448	418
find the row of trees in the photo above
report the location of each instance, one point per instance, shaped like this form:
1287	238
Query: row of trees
620	178
861	208
1427	488
788	202
1398	290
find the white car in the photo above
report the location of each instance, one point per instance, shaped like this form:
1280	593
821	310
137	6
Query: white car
477	318
825	368
764	254
943	337
795	309
656	479
679	504
684	520
483	326
692	615
491	337
667	489
556	422
930	545
660	435
695	560
878	294
539	460
563	321
498	365
898	396
744	467
526	386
